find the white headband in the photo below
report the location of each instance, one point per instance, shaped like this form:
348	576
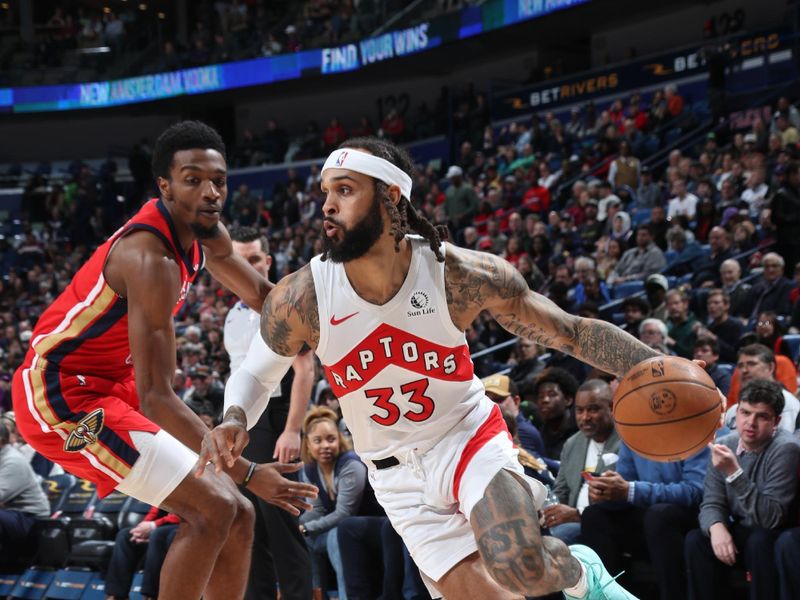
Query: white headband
369	164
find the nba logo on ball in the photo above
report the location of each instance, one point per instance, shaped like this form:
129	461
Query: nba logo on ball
663	402
340	160
657	369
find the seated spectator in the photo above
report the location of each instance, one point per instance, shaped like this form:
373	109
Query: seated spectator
656	288
720	326
748	492
707	350
376	562
526	367
739	292
22	500
771	291
757	362
341	478
639	262
502	390
688	252
683	203
555	394
148	540
645	508
207	393
770	333
787	557
653	333
592	449
635	309
681	324
608	255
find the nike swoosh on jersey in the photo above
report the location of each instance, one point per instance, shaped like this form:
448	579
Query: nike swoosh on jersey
335	321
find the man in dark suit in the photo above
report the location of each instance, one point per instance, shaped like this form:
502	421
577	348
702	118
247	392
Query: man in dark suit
706	269
771	290
592	449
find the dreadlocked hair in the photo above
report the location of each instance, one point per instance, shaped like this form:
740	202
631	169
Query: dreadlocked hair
404	218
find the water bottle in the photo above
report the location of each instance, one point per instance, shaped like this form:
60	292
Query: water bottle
551	498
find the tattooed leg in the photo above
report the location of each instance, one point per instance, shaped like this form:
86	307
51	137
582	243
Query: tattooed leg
511	545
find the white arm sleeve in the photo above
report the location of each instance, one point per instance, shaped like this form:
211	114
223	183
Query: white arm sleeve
252	384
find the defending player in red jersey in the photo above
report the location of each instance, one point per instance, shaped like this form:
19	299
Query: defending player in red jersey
94	394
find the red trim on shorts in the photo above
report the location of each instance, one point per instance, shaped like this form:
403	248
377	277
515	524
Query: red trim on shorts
493	425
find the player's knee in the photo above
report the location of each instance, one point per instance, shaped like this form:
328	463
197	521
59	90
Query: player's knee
216	510
245	518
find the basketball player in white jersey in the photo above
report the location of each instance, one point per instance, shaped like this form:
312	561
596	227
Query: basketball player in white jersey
279	550
386	312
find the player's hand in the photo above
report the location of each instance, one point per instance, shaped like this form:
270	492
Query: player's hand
722	544
287	448
269	484
222	446
723	459
556	514
610	486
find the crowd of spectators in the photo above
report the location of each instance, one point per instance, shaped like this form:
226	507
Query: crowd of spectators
220	31
694	254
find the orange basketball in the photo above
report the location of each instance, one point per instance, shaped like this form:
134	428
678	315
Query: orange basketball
667	408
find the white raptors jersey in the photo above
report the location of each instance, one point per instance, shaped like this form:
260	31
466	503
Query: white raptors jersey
241	324
402	371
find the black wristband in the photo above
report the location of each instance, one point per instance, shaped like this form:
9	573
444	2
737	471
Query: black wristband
250	470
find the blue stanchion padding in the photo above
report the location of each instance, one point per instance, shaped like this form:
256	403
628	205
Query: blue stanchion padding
95	589
7	583
32	584
136	587
69	584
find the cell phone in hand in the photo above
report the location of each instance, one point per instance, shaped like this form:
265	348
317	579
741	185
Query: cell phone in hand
587	475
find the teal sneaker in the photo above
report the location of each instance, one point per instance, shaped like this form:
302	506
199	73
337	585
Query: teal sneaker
599	583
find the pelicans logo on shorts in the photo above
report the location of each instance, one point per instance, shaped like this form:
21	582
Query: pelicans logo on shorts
85	432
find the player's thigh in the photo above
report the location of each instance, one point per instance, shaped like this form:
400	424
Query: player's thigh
470	579
82	423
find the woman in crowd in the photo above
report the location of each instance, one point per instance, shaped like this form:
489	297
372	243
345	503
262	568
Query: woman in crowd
341	478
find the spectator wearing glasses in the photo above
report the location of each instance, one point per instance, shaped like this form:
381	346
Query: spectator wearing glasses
653	332
757	362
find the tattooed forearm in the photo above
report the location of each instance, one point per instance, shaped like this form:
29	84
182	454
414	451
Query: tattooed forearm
597	343
607	347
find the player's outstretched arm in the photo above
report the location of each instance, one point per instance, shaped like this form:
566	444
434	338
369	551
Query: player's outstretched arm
234	272
477	281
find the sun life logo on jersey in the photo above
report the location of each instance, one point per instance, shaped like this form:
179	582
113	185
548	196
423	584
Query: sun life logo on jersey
419	302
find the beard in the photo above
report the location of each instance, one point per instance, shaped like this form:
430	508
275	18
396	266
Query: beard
204	233
357	240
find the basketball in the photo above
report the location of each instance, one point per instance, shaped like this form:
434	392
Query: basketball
666	408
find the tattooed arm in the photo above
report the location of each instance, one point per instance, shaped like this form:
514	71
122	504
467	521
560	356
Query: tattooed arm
289	319
476	281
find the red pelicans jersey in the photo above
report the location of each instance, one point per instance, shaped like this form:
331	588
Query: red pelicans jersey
402	371
85	330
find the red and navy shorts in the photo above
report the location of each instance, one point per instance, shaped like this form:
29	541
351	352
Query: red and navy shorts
81	422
